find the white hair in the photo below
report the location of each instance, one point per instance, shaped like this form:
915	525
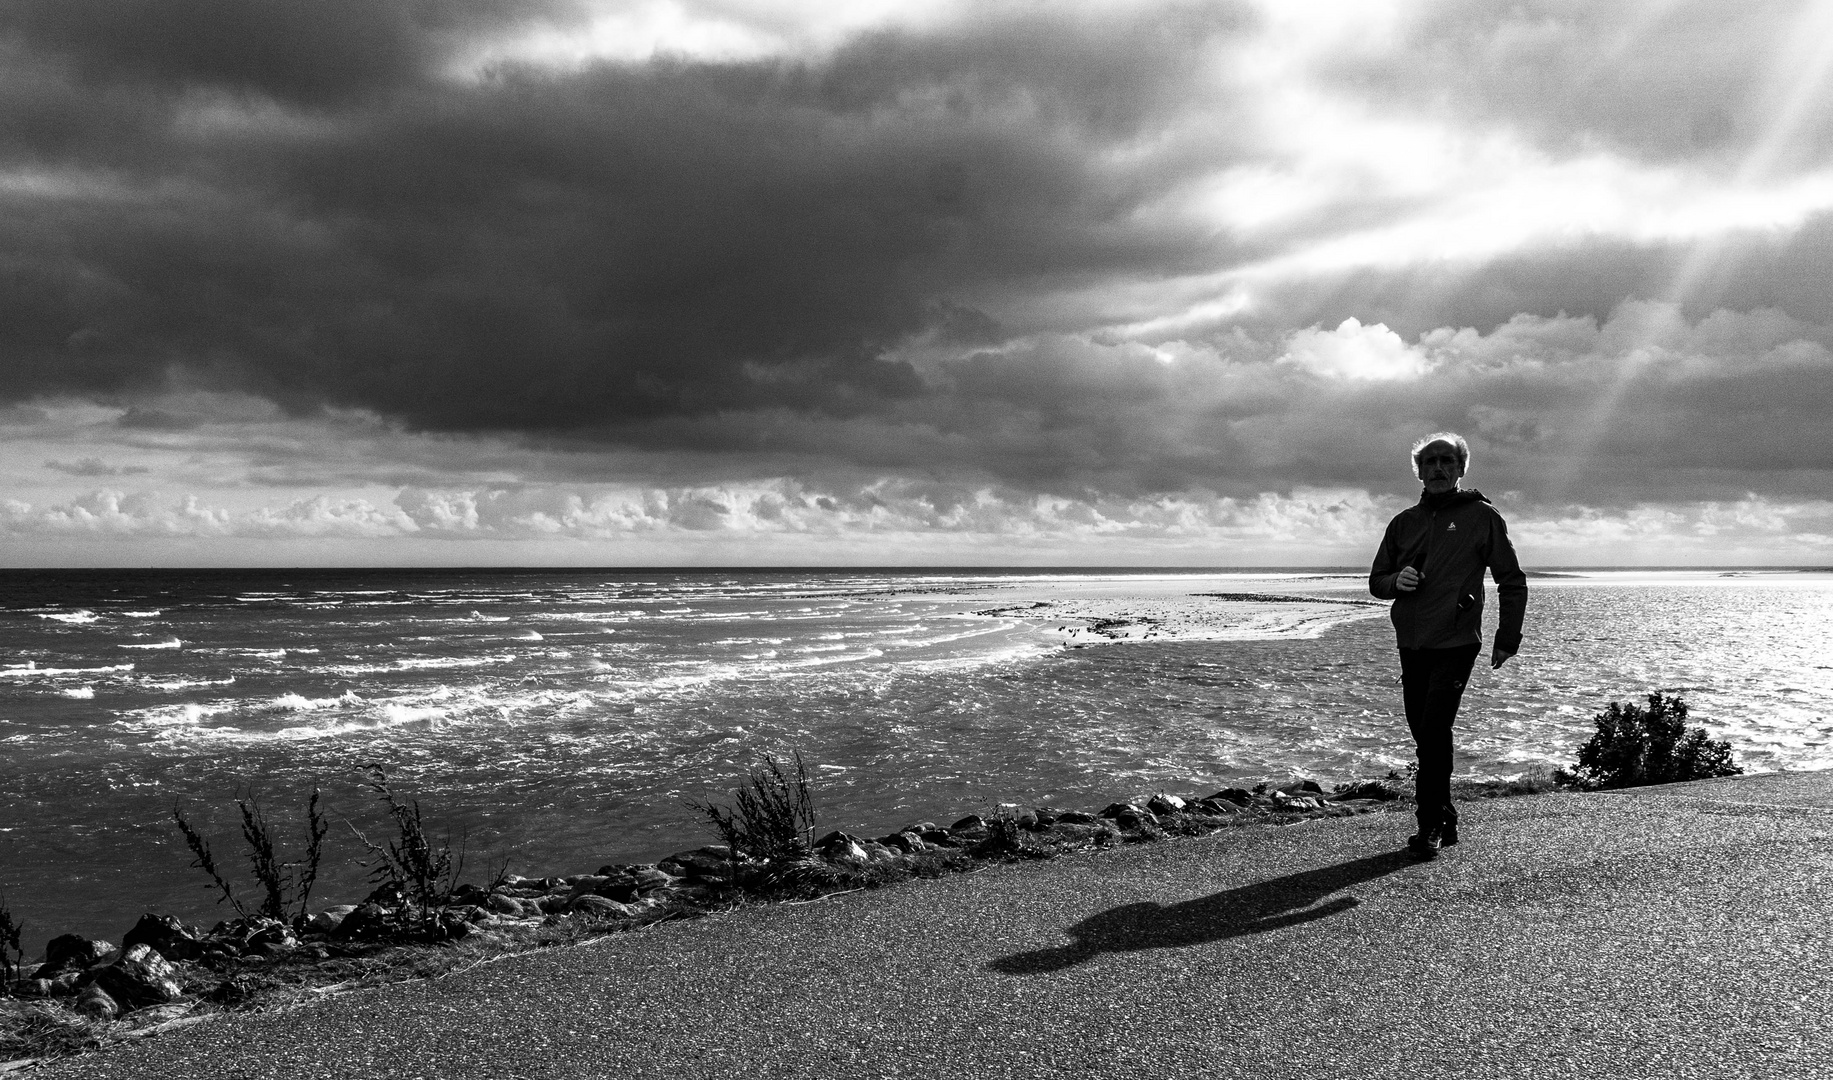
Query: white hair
1451	439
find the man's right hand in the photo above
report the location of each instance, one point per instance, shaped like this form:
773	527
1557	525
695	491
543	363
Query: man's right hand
1409	579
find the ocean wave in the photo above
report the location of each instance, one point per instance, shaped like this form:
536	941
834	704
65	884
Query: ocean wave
142	614
170	643
31	670
80	693
183	684
79	617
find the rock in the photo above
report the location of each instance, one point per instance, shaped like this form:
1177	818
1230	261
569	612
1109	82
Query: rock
69	952
66	984
598	907
469	894
1047	816
1165	804
968	824
1076	817
504	904
1238	796
877	852
551	905
1128	816
651	877
904	842
171	938
95	1003
841	847
328	920
1367	789
920	827
710	863
32	988
1300	788
141	977
366	920
938	838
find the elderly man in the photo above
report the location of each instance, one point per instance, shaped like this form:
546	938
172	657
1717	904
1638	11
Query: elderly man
1431	566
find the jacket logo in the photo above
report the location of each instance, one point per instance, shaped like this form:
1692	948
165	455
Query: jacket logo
1451	527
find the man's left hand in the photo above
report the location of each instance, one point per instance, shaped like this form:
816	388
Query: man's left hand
1498	657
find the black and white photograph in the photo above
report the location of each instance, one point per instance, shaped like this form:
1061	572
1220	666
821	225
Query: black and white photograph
936	538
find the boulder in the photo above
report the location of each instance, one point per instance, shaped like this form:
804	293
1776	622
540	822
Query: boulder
95	1003
651	877
598	907
1076	817
141	977
1047	816
1300	788
504	904
328	920
710	863
169	937
968	824
841	847
1238	796
366	920
1128	816
1367	789
32	988
469	894
72	952
1165	804
938	838
904	842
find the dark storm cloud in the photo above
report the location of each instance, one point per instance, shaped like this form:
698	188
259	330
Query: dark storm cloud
977	256
556	251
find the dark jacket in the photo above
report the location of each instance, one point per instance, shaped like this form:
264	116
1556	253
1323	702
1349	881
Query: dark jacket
1451	538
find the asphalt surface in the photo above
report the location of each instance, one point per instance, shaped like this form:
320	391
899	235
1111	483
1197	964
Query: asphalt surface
1671	932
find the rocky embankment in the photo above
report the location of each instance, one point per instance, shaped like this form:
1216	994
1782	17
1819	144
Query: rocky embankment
85	992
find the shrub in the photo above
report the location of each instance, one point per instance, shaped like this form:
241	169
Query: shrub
421	872
1634	746
12	958
276	877
772	818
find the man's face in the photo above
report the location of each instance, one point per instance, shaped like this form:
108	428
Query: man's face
1439	468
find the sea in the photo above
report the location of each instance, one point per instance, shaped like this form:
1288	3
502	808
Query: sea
551	721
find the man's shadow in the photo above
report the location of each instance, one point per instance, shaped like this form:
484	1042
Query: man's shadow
1250	909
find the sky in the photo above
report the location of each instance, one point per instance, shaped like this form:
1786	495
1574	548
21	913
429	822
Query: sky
739	282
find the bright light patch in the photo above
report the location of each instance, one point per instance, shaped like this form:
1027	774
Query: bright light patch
1357	352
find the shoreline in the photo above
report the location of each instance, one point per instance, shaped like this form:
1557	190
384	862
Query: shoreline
166	974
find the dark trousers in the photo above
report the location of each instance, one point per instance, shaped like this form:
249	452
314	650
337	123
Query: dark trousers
1432	683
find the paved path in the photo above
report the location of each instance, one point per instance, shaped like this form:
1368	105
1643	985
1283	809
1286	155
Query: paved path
1674	932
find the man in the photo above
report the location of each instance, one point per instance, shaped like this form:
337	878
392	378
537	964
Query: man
1431	565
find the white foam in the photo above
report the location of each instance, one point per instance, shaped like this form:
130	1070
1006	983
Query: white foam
28	671
286	703
77	617
172	643
185	684
142	614
530	636
81	693
418	663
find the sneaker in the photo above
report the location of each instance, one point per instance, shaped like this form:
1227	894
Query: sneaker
1423	844
1447	834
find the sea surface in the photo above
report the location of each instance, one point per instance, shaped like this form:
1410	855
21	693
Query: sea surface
559	720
